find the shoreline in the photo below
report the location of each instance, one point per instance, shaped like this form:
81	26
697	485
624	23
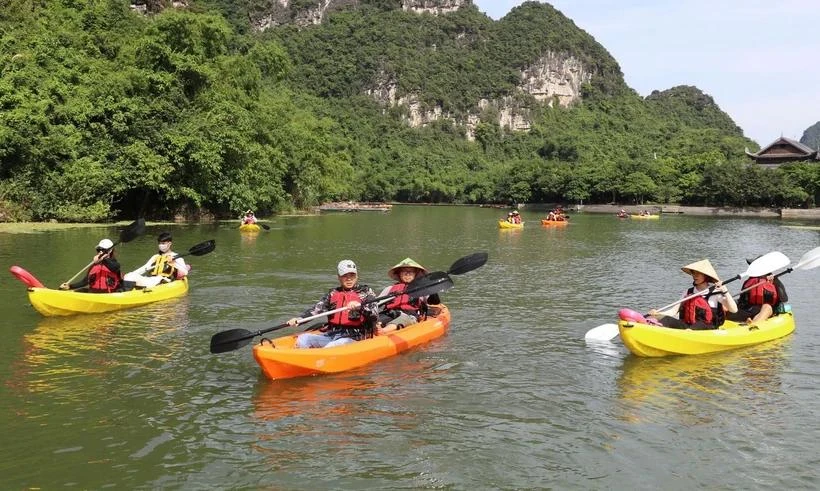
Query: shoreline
812	214
781	213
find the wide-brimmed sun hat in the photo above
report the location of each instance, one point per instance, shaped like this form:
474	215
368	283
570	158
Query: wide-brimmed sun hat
702	266
405	263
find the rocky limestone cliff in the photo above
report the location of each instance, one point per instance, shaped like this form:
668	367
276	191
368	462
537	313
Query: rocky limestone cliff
155	6
435	7
281	12
554	79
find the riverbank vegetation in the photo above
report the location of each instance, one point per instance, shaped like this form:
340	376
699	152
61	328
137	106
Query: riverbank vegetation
108	113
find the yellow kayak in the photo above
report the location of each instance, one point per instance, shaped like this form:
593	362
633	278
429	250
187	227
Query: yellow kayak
51	302
645	217
649	340
506	224
249	227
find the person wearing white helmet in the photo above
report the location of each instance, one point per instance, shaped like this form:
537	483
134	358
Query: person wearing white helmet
348	326
104	275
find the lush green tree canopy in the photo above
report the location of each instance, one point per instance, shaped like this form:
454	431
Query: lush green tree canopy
107	112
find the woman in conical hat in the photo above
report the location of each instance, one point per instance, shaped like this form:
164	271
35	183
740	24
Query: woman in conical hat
703	266
393	272
704	305
404	309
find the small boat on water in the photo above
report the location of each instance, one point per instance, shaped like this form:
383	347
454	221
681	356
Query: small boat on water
249	227
506	224
651	340
644	217
50	302
554	223
278	359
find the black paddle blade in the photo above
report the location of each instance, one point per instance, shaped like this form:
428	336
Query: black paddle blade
202	248
263	226
230	340
133	231
435	282
468	263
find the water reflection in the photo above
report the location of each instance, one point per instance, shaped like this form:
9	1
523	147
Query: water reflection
740	381
65	352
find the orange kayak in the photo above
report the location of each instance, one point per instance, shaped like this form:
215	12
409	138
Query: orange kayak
554	223
281	360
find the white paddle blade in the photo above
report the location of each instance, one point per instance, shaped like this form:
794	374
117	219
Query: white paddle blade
810	260
766	264
604	332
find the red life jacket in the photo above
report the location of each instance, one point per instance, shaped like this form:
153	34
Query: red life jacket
102	280
403	302
764	292
340	298
696	309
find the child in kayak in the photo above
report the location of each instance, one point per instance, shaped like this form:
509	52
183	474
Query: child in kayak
760	298
403	310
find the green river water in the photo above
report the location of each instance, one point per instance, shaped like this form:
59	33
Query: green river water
511	398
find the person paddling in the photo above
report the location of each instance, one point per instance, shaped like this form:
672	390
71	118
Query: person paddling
705	311
104	275
342	327
403	310
760	298
162	267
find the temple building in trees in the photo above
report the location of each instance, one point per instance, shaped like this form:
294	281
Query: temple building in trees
782	151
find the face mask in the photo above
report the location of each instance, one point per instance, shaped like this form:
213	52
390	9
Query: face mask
164	247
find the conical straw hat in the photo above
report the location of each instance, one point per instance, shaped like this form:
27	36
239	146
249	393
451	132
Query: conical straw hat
703	266
405	263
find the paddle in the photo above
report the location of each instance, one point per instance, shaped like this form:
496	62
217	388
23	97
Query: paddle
199	250
435	282
233	339
127	234
809	260
759	267
266	227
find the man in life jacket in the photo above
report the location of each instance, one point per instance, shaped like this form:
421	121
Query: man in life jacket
703	311
104	275
162	267
403	310
347	326
759	299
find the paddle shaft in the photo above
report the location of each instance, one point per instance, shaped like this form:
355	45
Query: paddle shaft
236	338
128	233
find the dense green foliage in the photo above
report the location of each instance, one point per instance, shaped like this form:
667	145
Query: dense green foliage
107	112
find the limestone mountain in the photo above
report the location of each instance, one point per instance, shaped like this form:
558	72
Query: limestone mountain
811	137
